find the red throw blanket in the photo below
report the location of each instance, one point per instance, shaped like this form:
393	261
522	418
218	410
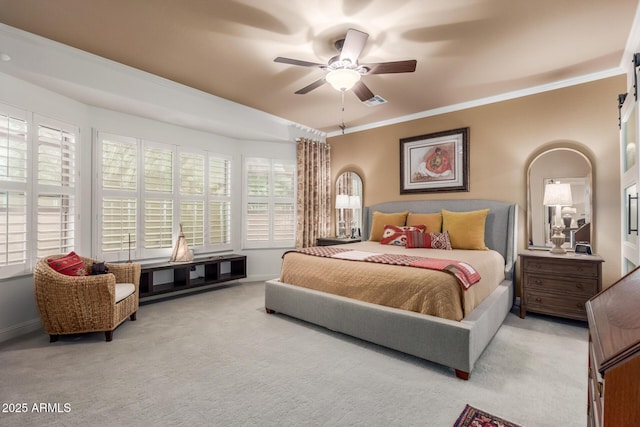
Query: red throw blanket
465	273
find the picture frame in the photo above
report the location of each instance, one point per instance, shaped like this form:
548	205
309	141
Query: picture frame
435	162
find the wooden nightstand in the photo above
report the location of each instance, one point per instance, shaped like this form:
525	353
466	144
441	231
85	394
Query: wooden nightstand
328	241
558	285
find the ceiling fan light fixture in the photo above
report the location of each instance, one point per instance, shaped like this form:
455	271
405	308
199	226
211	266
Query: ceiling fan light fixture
342	79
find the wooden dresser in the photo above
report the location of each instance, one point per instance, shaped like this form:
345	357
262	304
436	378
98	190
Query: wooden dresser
558	285
614	354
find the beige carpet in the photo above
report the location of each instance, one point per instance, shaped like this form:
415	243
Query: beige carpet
218	359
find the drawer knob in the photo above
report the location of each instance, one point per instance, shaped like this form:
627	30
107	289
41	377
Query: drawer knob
538	282
579	286
538	299
580	305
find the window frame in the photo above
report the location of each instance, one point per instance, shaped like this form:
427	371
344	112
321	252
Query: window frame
271	200
138	250
33	190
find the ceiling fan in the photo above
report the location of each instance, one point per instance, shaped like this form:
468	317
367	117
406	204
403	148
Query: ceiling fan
343	70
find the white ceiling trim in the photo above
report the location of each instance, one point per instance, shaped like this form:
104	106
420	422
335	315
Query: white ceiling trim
485	101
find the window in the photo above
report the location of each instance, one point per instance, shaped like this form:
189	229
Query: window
56	189
219	200
13	196
37	200
148	190
158	198
270	203
119	200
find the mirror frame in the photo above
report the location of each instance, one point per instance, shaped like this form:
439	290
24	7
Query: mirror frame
349	213
532	161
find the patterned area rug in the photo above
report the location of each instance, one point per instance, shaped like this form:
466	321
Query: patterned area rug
472	417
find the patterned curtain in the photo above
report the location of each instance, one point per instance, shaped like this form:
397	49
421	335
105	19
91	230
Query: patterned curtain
314	191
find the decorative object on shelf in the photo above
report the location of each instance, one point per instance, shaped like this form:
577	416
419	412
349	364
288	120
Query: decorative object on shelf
342	203
181	252
567	216
435	162
558	194
354	203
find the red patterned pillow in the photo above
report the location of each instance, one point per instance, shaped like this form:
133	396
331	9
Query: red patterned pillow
428	240
397	235
70	265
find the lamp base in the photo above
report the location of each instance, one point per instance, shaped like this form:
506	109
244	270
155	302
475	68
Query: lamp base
558	240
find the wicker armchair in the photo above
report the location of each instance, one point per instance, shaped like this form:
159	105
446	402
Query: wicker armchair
79	304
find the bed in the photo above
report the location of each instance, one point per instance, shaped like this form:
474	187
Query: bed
447	341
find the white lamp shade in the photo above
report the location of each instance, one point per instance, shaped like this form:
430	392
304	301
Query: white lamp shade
342	79
557	194
342	201
181	252
354	202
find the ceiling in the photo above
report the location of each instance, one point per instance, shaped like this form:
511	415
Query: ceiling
465	49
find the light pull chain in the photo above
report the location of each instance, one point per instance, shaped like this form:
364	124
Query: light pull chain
342	126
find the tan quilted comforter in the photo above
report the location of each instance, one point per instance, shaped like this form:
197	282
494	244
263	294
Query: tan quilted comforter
424	291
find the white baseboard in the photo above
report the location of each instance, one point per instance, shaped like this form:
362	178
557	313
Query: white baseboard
20	329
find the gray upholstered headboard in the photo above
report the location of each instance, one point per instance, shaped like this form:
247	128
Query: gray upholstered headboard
500	228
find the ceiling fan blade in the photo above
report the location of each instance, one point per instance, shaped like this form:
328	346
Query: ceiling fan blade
362	91
298	62
353	44
392	67
311	87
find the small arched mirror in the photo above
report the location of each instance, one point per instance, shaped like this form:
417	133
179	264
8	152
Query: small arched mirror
573	169
348	205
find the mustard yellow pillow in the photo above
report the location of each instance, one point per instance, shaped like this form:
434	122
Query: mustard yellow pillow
433	221
466	229
381	219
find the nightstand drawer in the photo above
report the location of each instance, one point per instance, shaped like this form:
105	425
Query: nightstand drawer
561	266
581	286
571	306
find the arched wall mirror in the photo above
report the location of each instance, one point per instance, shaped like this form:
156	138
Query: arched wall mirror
559	166
348	205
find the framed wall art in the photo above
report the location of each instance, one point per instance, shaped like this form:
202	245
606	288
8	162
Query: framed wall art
435	162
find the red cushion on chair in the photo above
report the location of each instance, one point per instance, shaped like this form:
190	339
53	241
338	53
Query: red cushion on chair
70	265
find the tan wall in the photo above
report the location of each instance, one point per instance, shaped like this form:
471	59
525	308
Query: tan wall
504	137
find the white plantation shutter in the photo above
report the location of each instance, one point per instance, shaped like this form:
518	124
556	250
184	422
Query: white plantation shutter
147	190
158	224
158	170
13	195
37	189
192	220
192	185
13	147
119	202
284	221
13	230
118	224
56	156
119	163
56	168
56	222
219	200
191	173
158	199
270	203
